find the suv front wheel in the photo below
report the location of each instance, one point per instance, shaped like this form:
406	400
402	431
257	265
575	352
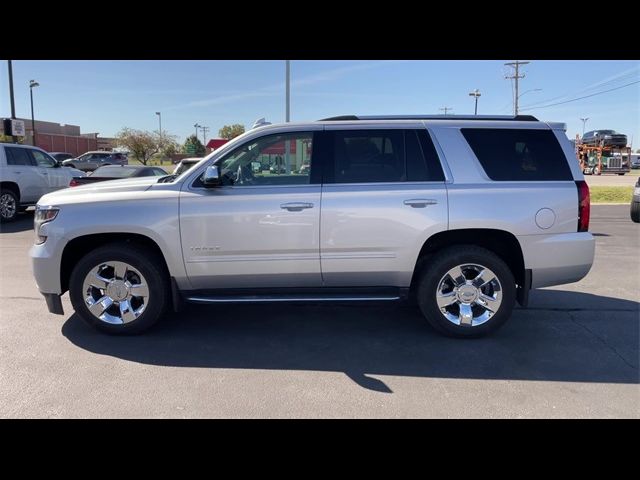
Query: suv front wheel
466	291
119	289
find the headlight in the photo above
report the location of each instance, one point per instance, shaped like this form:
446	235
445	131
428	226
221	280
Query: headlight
43	215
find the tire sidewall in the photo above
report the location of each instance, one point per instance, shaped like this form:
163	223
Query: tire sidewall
17	204
139	259
440	265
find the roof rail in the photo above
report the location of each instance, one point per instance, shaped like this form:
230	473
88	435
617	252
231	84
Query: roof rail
512	118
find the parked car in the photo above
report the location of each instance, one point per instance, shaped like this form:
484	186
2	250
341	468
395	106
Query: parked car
61	156
461	214
26	174
185	164
635	203
635	160
606	138
89	161
117	172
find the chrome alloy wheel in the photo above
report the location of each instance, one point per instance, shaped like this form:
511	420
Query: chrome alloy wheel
469	295
115	292
7	205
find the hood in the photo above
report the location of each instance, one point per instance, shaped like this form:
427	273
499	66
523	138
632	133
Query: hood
110	190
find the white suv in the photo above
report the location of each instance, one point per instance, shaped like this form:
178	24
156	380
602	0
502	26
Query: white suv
26	174
461	214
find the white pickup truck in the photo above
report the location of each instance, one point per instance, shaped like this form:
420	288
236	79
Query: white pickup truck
26	174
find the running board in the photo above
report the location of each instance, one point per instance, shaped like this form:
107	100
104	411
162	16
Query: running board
292	298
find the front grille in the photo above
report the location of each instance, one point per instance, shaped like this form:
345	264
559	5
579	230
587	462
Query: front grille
614	162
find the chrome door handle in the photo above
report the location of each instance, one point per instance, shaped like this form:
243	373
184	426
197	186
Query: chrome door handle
296	206
420	202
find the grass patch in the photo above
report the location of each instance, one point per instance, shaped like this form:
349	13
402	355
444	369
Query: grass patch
601	194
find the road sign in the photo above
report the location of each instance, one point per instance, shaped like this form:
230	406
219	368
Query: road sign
17	128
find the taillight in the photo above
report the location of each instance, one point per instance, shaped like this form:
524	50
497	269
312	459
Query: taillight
584	206
74	183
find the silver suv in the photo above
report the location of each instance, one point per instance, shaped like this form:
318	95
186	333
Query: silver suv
463	215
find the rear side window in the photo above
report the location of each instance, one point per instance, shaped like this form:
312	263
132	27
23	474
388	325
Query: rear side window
518	154
18	156
379	156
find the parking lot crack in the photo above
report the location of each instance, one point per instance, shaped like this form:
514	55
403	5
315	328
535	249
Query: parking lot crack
603	340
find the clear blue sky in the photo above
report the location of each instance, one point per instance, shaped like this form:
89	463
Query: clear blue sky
104	96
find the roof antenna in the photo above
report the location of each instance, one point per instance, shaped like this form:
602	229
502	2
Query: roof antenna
261	122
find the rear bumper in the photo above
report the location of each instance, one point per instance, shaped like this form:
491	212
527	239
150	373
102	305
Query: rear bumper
557	259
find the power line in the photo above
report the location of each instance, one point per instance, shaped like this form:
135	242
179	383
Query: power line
446	109
618	79
586	96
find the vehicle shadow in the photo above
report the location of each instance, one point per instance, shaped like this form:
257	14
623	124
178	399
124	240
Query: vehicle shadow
22	223
557	339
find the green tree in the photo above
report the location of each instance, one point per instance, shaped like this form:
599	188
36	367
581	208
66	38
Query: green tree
142	144
231	131
170	148
193	146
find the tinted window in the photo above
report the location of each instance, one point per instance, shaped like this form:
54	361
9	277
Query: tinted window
158	172
18	156
376	156
369	156
518	154
113	172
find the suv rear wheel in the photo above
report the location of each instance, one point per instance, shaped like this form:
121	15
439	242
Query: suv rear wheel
119	289
9	205
466	291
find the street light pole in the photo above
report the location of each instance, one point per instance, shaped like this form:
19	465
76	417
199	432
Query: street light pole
476	93
160	122
33	83
197	126
584	121
288	89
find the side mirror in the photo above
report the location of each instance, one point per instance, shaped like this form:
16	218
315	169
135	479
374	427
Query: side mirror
211	177
58	164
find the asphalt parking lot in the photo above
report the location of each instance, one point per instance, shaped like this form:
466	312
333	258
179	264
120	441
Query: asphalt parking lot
574	353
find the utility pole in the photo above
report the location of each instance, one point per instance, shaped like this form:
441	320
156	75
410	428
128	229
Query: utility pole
197	126
204	135
446	109
476	93
13	103
288	90
516	76
584	121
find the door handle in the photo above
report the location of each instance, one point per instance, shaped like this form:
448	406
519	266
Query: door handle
420	202
296	206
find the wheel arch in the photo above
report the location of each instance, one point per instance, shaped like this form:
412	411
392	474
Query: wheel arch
79	246
504	244
13	186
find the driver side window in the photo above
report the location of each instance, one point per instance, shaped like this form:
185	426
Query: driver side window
281	159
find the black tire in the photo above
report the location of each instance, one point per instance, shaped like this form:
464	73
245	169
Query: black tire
635	211
595	170
148	264
621	174
9	205
444	260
